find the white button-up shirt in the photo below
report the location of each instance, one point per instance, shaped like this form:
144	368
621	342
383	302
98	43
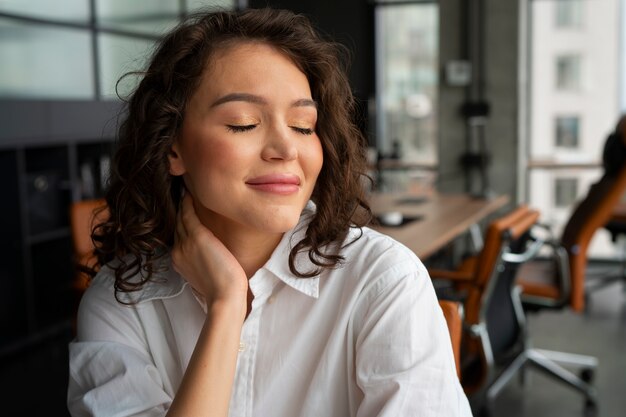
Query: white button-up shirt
365	339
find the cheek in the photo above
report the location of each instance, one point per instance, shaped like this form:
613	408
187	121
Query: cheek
314	158
216	156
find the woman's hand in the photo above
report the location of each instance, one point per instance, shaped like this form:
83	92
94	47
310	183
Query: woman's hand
203	260
213	271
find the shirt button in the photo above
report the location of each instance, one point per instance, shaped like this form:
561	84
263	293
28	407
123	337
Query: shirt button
242	346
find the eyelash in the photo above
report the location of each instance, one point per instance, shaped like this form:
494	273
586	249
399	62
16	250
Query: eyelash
246	128
303	130
239	129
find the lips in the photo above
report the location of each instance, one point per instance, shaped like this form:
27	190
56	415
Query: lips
281	184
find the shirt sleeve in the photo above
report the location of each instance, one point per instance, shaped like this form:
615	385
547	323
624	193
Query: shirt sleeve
404	360
111	371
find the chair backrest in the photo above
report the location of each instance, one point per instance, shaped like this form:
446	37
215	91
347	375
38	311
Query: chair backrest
452	311
493	308
490	255
83	217
594	211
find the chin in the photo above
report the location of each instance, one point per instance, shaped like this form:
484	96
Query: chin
280	222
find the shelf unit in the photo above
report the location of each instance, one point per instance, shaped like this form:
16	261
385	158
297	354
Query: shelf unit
51	153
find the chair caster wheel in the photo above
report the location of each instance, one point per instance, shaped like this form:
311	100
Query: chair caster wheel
483	412
591	409
587	375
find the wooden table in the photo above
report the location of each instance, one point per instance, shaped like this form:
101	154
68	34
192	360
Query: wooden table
441	218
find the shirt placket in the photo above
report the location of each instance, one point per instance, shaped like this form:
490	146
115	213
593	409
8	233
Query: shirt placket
241	404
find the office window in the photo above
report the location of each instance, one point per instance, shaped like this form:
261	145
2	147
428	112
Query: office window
195	5
78	49
568	13
567	131
565	192
575	98
76	11
120	55
44	61
568	72
146	16
407	80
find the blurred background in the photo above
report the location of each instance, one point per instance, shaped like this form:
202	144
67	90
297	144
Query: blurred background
485	97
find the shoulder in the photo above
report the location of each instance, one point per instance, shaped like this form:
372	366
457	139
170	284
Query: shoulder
104	314
378	261
165	282
369	248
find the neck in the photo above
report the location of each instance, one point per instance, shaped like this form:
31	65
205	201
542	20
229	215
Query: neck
251	248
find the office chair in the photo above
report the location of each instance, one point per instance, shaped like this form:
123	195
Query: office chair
495	340
616	226
83	217
453	312
594	211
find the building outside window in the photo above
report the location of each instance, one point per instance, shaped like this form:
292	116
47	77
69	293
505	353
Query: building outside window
565	191
573	104
568	14
568	72
567	131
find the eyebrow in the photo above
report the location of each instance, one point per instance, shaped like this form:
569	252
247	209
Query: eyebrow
251	98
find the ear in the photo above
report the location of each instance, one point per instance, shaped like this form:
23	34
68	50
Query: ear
177	166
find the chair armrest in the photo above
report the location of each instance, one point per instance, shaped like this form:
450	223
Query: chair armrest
461	276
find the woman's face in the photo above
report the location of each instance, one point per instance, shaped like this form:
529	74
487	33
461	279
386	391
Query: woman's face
248	149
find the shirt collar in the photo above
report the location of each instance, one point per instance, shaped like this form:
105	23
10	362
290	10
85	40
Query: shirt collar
167	283
278	264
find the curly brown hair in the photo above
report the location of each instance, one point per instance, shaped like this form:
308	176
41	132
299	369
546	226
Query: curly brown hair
142	195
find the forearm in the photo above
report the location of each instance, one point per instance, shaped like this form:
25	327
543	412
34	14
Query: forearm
206	387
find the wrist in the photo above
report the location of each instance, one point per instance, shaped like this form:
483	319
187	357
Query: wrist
227	309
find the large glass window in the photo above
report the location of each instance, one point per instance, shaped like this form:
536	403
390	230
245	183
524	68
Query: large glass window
42	61
146	16
76	11
120	55
407	80
78	49
575	80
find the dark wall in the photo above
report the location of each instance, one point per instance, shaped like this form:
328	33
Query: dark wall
350	22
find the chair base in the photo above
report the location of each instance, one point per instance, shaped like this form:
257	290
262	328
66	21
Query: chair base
551	363
594	283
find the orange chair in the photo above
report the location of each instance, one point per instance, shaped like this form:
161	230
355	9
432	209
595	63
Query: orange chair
543	286
453	312
83	217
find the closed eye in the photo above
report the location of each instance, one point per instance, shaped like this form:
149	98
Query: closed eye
240	128
303	130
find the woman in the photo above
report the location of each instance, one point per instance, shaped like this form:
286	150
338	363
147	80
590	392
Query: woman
238	277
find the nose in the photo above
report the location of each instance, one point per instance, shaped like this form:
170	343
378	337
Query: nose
280	145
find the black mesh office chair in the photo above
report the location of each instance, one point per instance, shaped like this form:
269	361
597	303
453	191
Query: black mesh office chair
495	346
